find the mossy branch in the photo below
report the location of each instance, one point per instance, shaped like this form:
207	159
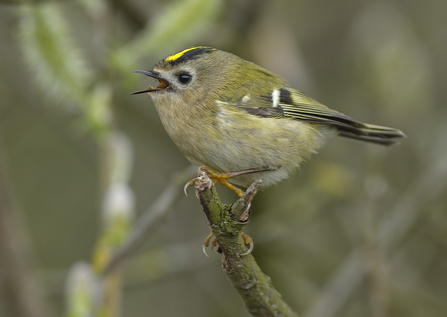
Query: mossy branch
227	222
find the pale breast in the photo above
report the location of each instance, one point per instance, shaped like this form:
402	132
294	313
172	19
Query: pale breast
240	141
232	140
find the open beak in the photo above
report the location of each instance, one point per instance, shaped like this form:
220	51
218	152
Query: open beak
163	83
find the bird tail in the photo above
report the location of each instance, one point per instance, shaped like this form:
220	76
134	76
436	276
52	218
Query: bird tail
371	133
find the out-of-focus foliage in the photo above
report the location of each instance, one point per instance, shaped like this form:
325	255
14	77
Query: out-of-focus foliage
360	230
48	48
182	23
81	290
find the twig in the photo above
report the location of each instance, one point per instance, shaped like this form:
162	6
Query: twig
150	219
227	222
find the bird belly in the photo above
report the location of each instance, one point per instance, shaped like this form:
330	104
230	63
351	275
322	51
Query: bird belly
235	141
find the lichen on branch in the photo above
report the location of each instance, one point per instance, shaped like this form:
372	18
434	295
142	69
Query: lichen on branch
227	222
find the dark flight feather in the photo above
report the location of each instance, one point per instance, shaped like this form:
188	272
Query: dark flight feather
296	105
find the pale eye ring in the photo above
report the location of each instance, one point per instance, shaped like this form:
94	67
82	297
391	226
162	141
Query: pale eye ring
184	78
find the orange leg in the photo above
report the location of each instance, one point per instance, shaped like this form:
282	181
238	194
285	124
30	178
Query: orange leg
222	178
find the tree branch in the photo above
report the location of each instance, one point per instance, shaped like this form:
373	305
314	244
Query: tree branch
227	222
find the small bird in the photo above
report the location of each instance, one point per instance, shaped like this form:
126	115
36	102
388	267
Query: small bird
239	119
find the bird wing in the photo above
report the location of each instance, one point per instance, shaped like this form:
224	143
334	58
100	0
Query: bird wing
289	103
293	104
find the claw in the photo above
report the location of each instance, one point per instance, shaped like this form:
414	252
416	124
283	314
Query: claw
250	250
190	183
204	250
247	240
206	243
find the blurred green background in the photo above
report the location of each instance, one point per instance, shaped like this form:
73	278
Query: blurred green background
360	230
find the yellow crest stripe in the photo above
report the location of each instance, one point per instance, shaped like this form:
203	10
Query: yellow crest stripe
180	54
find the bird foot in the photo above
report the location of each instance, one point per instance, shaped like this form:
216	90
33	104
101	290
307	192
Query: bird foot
247	241
222	178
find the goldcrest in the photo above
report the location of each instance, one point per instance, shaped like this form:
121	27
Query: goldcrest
231	115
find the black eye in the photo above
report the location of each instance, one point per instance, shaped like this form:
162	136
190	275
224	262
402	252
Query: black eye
184	78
